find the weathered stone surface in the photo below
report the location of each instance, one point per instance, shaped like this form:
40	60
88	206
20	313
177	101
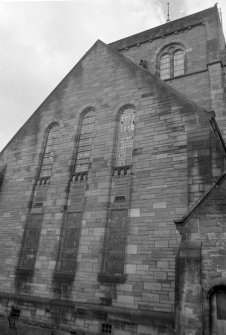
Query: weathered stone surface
104	246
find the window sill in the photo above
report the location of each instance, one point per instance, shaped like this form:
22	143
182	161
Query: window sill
111	278
63	276
22	272
121	170
43	181
80	176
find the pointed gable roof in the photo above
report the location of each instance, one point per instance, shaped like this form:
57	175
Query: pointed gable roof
154	79
136	69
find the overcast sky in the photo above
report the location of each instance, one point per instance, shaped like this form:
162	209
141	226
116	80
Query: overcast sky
41	42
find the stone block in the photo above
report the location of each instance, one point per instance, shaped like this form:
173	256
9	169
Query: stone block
131	249
125	299
130	268
152	286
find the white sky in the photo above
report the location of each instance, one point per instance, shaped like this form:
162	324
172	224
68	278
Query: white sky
42	40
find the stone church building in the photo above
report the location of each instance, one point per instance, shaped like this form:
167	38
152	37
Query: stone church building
113	193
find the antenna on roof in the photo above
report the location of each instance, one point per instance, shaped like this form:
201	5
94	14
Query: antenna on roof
168	19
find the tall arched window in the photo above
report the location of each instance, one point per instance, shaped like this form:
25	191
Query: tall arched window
125	137
171	62
85	142
49	152
70	234
117	219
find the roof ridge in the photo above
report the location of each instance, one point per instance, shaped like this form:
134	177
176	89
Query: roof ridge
164	25
125	59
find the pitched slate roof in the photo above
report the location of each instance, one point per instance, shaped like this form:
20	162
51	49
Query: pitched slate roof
164	29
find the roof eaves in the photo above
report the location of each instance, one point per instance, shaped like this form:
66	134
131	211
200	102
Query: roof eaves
182	221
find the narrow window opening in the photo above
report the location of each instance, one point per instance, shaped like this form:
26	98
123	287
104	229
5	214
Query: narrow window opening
115	243
70	243
125	137
106	328
2	175
178	63
85	142
49	153
120	198
31	242
38	204
165	66
221	304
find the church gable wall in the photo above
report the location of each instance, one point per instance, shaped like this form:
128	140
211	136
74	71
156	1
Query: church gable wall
155	190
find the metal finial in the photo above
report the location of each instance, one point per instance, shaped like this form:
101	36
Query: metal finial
168	19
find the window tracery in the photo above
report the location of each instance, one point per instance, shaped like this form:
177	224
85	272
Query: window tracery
171	62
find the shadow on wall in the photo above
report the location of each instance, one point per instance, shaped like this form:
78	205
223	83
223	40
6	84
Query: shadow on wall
24	329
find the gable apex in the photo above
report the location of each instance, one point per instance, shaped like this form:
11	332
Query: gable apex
137	71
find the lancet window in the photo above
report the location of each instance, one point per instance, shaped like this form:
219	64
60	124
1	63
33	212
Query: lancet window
125	137
49	152
85	142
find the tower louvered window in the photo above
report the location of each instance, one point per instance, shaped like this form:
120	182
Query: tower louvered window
49	153
85	142
125	137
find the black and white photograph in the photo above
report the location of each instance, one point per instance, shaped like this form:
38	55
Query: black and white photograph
113	167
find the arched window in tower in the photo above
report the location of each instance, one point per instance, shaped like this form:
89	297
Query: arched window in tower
85	142
171	62
165	66
125	137
178	63
49	152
